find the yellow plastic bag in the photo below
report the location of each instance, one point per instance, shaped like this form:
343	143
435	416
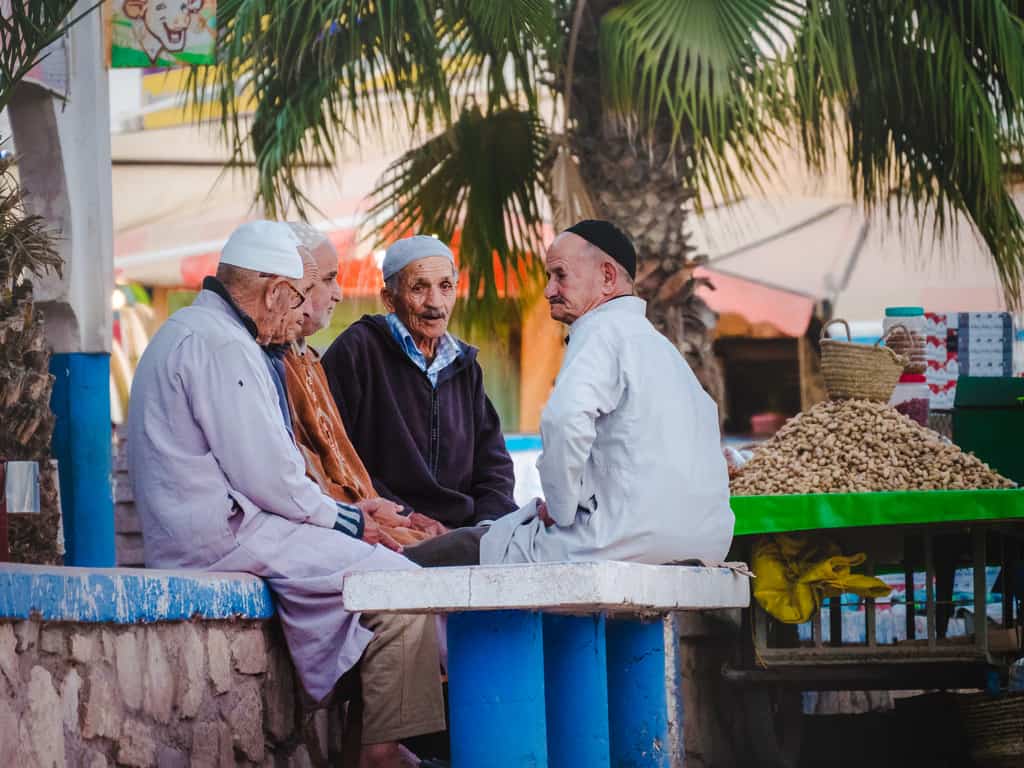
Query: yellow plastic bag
796	572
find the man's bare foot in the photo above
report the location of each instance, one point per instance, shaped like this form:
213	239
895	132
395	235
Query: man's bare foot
388	755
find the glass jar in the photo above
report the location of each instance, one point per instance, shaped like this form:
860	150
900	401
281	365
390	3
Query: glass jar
908	340
912	398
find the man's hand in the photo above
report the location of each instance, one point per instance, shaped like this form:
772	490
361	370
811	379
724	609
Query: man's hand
384	512
374	534
542	513
426	524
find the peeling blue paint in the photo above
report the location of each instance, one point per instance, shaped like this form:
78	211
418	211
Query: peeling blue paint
129	595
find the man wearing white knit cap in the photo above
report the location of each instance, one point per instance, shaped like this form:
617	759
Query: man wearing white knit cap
220	485
412	396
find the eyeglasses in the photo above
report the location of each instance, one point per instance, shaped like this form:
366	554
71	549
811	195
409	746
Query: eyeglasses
300	297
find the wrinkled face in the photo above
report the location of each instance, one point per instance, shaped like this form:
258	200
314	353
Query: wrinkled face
575	280
168	21
425	297
284	303
325	294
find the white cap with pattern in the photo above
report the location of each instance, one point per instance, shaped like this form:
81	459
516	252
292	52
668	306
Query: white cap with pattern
404	252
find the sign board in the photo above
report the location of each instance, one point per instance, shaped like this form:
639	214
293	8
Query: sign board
162	33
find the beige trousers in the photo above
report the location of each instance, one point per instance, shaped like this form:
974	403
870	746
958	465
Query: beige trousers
400	675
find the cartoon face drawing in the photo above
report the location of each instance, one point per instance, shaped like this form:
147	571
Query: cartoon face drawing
164	23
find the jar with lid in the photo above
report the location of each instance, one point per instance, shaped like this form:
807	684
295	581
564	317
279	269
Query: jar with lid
912	398
904	332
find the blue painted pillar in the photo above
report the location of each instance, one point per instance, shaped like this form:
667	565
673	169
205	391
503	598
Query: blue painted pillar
637	700
576	690
496	690
81	445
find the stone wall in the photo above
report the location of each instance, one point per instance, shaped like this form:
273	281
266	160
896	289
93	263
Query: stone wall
168	694
127	530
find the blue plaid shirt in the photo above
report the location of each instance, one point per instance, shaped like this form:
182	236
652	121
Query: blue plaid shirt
447	349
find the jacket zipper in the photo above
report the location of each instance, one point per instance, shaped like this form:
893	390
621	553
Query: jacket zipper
435	430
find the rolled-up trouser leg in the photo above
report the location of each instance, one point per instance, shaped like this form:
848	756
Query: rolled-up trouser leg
458	547
401	678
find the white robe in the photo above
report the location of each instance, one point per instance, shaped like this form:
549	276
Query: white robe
205	431
632	466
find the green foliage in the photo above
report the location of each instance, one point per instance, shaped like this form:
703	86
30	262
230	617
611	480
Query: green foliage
922	99
482	176
26	28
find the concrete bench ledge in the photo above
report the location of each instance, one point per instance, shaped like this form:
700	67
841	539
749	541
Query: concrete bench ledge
129	595
605	587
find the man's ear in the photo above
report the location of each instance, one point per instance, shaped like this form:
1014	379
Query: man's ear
387	298
134	9
609	276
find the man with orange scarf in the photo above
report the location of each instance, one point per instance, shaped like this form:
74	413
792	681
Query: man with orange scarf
331	459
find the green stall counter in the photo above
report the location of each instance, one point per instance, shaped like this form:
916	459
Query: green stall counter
988	421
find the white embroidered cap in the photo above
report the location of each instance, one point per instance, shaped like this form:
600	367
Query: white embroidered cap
264	246
404	252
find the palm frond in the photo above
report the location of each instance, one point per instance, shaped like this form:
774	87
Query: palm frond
27	244
318	70
929	98
707	69
483	178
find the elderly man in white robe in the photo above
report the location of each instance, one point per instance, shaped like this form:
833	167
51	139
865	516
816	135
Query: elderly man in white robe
220	485
631	466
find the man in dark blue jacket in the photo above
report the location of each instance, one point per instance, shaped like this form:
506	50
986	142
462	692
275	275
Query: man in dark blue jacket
412	396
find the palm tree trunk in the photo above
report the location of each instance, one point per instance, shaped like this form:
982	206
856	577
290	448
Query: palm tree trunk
645	190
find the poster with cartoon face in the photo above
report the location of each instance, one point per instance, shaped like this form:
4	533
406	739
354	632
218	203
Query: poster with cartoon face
163	33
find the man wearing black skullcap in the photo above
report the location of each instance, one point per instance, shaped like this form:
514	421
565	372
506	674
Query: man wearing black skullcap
632	466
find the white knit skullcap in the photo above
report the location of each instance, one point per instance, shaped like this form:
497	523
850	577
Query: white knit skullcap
404	252
264	246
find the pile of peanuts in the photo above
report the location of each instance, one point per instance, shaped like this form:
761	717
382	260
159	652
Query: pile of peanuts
855	446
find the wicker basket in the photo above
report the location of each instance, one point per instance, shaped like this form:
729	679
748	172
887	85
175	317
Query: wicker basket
859	371
995	729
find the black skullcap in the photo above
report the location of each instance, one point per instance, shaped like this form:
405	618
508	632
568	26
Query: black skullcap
609	239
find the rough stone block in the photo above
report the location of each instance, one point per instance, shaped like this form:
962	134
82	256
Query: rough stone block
129	669
27	633
279	694
220	660
129	550
9	656
300	758
168	757
159	680
136	746
44	719
109	645
191	671
126	519
205	745
249	649
103	709
245	719
69	697
83	647
8	733
95	760
51	640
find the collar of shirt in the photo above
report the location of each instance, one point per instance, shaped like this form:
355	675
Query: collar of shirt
214	285
632	305
448	349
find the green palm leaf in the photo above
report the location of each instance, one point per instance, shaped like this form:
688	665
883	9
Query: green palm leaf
706	69
480	177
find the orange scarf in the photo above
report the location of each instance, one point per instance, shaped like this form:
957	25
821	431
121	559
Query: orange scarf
331	459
